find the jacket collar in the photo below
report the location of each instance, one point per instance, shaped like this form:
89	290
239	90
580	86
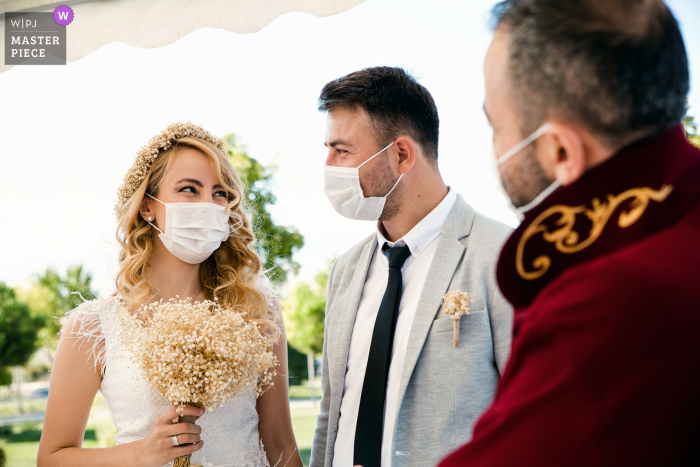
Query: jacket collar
642	189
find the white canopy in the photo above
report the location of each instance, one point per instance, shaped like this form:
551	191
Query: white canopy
154	23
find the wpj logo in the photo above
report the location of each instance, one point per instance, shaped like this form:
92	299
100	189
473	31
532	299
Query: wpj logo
37	38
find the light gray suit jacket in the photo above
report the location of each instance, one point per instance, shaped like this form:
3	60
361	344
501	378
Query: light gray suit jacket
443	389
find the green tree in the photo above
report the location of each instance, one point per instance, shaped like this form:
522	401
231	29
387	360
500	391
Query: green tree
5	376
18	332
298	366
18	329
691	129
50	296
304	312
275	244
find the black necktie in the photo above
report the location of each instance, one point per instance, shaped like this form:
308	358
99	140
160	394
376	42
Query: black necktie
370	419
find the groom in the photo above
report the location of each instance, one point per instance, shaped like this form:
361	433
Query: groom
396	389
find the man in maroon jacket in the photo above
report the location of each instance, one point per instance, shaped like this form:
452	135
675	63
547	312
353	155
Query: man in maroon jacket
604	271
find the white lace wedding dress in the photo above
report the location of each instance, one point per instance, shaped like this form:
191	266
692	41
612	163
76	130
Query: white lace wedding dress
230	434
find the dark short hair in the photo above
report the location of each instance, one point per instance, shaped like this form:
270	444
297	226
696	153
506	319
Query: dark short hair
395	102
618	68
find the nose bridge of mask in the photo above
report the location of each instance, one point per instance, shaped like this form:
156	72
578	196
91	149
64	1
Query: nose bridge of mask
524	143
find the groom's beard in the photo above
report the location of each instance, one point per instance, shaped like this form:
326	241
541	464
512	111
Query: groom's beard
392	207
380	181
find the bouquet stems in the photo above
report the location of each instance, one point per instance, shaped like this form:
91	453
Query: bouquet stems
184	461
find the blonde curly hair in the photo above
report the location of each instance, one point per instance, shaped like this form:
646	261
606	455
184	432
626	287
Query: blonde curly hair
231	275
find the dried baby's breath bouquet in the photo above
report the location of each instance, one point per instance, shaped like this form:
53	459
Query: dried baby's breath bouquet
199	354
456	305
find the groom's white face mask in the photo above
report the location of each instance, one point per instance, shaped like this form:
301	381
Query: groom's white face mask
342	187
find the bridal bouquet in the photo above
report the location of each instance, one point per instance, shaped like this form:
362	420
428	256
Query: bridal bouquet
199	354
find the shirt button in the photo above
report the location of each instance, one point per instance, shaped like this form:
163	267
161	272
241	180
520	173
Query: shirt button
417	249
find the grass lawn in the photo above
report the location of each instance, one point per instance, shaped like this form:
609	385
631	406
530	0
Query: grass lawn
21	441
303	392
304	424
9	407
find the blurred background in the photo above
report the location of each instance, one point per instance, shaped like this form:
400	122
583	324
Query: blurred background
69	133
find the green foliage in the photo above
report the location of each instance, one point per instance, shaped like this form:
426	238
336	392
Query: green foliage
3	458
305	314
691	130
275	244
5	376
18	329
298	368
50	296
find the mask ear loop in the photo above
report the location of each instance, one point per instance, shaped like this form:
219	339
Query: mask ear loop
163	205
524	143
358	167
395	185
400	176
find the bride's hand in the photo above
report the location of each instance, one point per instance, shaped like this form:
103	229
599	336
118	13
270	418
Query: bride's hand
159	447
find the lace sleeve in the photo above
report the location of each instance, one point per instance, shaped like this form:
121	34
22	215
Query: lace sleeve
87	330
273	303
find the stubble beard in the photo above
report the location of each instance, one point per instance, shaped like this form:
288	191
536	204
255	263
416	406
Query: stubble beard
523	178
379	182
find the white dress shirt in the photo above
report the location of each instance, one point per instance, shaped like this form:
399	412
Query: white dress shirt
422	242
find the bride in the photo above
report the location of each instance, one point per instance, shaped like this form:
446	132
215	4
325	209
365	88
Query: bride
183	232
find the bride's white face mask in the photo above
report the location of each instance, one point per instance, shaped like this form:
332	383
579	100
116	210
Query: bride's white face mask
193	231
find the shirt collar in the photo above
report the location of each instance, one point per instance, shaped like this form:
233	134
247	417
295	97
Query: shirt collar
424	232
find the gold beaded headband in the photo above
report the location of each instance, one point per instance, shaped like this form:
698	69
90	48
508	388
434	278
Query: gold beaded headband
148	153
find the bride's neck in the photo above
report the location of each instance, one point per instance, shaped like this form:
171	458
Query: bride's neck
169	277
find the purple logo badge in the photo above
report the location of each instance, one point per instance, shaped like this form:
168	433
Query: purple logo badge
63	15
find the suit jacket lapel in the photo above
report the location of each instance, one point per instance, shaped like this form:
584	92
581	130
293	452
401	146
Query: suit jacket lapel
348	311
448	254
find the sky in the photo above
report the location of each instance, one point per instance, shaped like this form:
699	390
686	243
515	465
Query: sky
69	133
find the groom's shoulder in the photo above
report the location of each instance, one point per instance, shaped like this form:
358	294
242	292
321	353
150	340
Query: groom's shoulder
351	256
490	230
489	233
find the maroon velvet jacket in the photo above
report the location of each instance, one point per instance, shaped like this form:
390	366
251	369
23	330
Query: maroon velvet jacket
604	277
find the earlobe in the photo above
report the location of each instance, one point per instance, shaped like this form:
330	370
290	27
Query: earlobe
407	153
145	211
569	156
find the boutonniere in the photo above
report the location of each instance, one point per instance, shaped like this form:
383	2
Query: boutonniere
456	305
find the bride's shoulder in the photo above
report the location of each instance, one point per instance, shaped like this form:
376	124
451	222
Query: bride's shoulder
87	326
93	309
273	303
268	289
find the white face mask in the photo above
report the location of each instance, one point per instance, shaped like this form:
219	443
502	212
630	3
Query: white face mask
342	187
193	231
522	210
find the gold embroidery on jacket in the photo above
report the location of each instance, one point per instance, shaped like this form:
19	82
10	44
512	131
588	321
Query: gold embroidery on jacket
566	240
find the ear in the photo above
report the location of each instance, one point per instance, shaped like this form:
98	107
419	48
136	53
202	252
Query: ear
146	210
563	153
406	149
